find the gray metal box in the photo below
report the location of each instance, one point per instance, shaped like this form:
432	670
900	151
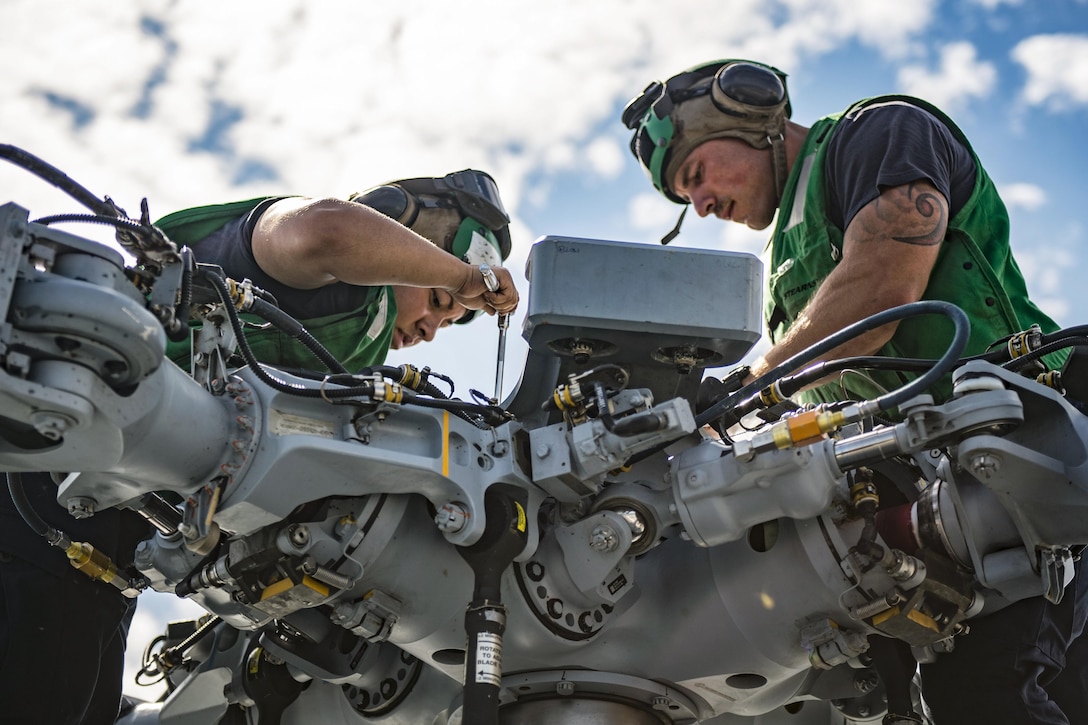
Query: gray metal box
622	302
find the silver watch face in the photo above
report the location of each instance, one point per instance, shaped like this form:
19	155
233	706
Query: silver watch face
490	280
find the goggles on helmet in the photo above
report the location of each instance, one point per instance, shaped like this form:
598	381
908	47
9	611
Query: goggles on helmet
725	98
472	193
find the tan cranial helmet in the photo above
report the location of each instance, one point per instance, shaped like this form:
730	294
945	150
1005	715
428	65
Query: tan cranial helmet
460	212
722	99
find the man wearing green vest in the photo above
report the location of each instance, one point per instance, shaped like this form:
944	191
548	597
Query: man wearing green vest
363	275
878	206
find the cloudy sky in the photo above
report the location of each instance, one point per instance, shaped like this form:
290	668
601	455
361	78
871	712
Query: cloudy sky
192	103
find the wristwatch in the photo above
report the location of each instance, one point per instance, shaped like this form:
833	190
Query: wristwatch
491	281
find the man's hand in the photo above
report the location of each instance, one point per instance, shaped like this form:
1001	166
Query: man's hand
475	295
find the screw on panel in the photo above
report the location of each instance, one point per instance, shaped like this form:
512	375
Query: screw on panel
564	687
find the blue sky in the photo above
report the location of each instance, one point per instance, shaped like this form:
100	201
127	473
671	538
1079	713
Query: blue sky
190	103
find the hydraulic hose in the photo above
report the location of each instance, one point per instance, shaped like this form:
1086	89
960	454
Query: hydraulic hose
57	178
491	415
81	555
297	331
26	510
729	405
733	407
179	330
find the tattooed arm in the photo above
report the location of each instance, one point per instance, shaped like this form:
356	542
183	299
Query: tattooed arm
889	250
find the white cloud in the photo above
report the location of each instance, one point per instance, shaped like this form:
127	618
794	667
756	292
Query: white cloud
1057	70
1043	271
1025	196
994	4
605	156
739	238
960	77
651	211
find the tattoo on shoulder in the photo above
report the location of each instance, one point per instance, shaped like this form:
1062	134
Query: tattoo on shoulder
930	206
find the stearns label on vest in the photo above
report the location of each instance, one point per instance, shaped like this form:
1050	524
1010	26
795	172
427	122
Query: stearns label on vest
285	424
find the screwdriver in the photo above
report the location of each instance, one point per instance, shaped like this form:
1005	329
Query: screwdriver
492	284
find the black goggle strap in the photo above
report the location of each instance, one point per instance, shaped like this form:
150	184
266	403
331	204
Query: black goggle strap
392	201
663	97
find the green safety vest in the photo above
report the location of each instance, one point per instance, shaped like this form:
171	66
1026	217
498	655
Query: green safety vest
974	270
358	338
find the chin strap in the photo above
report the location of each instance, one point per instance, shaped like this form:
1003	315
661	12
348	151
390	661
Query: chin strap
676	229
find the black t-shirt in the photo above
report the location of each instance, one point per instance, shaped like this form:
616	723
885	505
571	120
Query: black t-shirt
231	247
890	144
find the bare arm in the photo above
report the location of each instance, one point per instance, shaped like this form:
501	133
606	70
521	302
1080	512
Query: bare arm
889	250
309	243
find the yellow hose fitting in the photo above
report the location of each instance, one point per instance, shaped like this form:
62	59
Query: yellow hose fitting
1052	379
1024	342
394	393
771	395
563	398
410	377
90	561
806	427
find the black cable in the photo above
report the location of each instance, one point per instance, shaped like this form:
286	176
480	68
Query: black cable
889	400
24	507
110	221
59	179
293	328
180	330
491	415
1045	349
791	384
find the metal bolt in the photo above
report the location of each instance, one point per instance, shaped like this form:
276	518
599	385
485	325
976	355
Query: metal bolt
50	425
604	538
581	351
300	535
564	687
661	703
543	450
451	518
866	681
985	465
81	507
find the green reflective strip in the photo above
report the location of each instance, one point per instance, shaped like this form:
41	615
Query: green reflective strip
660	131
